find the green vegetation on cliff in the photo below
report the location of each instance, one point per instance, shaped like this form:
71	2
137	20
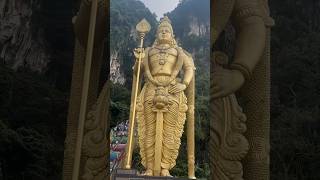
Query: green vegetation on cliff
32	127
295	103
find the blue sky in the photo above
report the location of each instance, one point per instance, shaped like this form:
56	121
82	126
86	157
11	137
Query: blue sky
159	7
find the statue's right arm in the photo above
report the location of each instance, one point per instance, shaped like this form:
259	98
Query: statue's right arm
135	67
248	18
82	21
143	60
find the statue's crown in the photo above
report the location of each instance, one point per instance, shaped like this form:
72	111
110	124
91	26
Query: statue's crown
165	22
165	19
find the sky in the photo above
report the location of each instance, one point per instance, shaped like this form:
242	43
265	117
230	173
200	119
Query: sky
159	7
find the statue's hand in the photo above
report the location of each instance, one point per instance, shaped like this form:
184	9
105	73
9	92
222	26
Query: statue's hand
177	88
138	51
225	82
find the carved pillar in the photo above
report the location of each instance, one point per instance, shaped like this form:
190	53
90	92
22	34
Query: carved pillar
242	153
93	136
256	97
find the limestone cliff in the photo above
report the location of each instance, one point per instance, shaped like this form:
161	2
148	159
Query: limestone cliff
198	28
124	15
20	44
116	76
191	22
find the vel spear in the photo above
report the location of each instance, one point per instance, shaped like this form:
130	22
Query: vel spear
143	27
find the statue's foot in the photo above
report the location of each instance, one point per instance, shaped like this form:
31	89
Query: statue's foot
148	172
165	172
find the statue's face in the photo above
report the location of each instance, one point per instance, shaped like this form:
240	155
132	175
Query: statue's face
164	34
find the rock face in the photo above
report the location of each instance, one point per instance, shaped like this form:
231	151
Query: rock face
21	45
198	28
124	15
116	76
191	22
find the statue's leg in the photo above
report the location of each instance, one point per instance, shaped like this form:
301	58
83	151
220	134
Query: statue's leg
150	131
173	128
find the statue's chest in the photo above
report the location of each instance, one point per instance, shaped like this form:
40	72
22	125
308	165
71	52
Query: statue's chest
162	57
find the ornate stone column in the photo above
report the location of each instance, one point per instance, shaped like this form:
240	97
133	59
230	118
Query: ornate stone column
240	131
93	163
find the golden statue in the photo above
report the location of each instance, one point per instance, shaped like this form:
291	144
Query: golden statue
164	103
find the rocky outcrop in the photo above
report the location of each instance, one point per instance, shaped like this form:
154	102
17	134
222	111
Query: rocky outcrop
198	28
21	45
116	76
124	16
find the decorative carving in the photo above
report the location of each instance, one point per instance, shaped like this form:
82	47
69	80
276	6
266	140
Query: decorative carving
94	135
236	156
96	142
227	127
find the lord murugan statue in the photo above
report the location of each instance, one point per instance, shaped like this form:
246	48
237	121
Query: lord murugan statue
240	90
164	102
240	96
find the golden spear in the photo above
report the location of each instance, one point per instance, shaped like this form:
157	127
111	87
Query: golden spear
85	89
143	27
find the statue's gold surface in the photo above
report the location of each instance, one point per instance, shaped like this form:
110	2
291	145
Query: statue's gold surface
164	102
142	27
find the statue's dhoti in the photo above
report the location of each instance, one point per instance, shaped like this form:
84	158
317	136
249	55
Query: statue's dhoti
174	116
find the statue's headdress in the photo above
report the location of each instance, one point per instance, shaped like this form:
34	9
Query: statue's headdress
165	22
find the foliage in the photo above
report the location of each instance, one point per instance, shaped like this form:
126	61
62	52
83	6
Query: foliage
32	128
295	108
120	104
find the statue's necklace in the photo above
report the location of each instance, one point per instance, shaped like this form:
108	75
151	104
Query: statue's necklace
163	55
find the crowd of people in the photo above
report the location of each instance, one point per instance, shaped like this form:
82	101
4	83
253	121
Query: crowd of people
118	139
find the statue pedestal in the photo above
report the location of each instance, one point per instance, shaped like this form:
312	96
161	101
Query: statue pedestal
131	174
